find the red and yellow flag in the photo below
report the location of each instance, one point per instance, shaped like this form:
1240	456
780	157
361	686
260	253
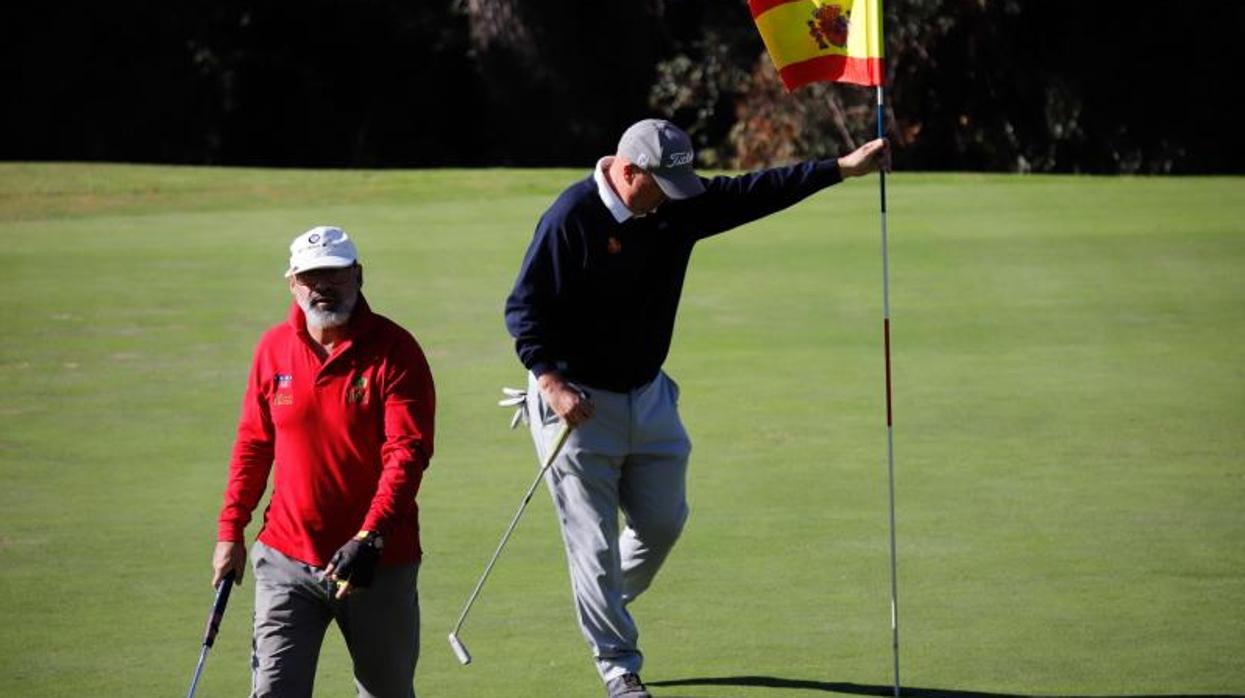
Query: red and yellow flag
822	40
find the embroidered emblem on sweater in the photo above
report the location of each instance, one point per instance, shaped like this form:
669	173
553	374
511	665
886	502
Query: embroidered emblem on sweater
357	393
284	383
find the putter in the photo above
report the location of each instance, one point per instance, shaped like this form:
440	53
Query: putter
213	625
460	650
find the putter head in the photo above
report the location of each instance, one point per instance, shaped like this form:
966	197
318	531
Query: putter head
460	650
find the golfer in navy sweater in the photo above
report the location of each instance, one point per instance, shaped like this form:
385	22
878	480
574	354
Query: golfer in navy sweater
592	314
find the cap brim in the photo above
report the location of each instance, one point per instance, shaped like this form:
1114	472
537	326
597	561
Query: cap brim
327	262
679	183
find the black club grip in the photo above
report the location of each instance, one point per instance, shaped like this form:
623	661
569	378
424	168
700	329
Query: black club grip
218	609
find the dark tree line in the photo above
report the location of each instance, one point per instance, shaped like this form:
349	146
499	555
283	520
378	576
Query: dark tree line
1005	85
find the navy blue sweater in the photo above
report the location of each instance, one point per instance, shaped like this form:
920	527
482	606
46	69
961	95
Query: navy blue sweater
596	299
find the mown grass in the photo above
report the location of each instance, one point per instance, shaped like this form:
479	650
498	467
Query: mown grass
1069	395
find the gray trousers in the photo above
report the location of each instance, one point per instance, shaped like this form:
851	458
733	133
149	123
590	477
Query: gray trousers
630	457
293	608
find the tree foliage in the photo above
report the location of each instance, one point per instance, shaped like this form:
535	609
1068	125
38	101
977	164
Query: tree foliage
1012	85
1006	85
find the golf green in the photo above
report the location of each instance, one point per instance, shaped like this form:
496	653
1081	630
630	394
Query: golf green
1069	376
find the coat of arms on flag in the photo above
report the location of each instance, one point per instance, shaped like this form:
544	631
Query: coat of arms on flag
822	40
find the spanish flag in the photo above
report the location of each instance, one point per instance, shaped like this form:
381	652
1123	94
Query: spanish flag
822	40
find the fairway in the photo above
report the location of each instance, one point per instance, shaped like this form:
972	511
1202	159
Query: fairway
1069	372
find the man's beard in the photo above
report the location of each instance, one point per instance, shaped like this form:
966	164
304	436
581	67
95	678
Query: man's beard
336	314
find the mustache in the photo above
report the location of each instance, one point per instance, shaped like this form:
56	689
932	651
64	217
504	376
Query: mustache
328	310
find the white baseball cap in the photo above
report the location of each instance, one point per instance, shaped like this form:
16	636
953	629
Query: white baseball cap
322	247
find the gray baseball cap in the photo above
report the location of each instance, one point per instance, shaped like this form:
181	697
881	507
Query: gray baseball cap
665	151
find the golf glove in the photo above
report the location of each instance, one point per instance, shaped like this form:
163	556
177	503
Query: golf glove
355	562
517	399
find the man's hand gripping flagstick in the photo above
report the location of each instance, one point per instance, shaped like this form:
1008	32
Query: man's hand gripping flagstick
518	399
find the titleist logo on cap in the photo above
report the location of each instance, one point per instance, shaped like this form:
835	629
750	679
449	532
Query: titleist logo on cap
679	159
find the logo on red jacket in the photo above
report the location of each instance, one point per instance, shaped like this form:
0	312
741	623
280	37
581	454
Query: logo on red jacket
357	393
284	383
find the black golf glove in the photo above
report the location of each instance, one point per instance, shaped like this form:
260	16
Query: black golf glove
355	562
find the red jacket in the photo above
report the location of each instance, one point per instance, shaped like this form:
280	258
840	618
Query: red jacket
350	437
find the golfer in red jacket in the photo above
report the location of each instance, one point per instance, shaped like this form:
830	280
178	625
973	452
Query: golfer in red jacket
339	406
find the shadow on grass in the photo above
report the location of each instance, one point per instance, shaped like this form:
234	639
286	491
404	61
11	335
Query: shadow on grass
872	690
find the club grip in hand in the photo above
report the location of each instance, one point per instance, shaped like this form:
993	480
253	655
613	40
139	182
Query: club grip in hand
218	608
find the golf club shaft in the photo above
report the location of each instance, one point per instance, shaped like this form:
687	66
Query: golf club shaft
194	682
553	455
213	626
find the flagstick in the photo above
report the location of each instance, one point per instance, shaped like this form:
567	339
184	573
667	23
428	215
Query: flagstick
890	436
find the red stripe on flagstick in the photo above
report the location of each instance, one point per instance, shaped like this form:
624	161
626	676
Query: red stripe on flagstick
886	342
760	7
861	71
